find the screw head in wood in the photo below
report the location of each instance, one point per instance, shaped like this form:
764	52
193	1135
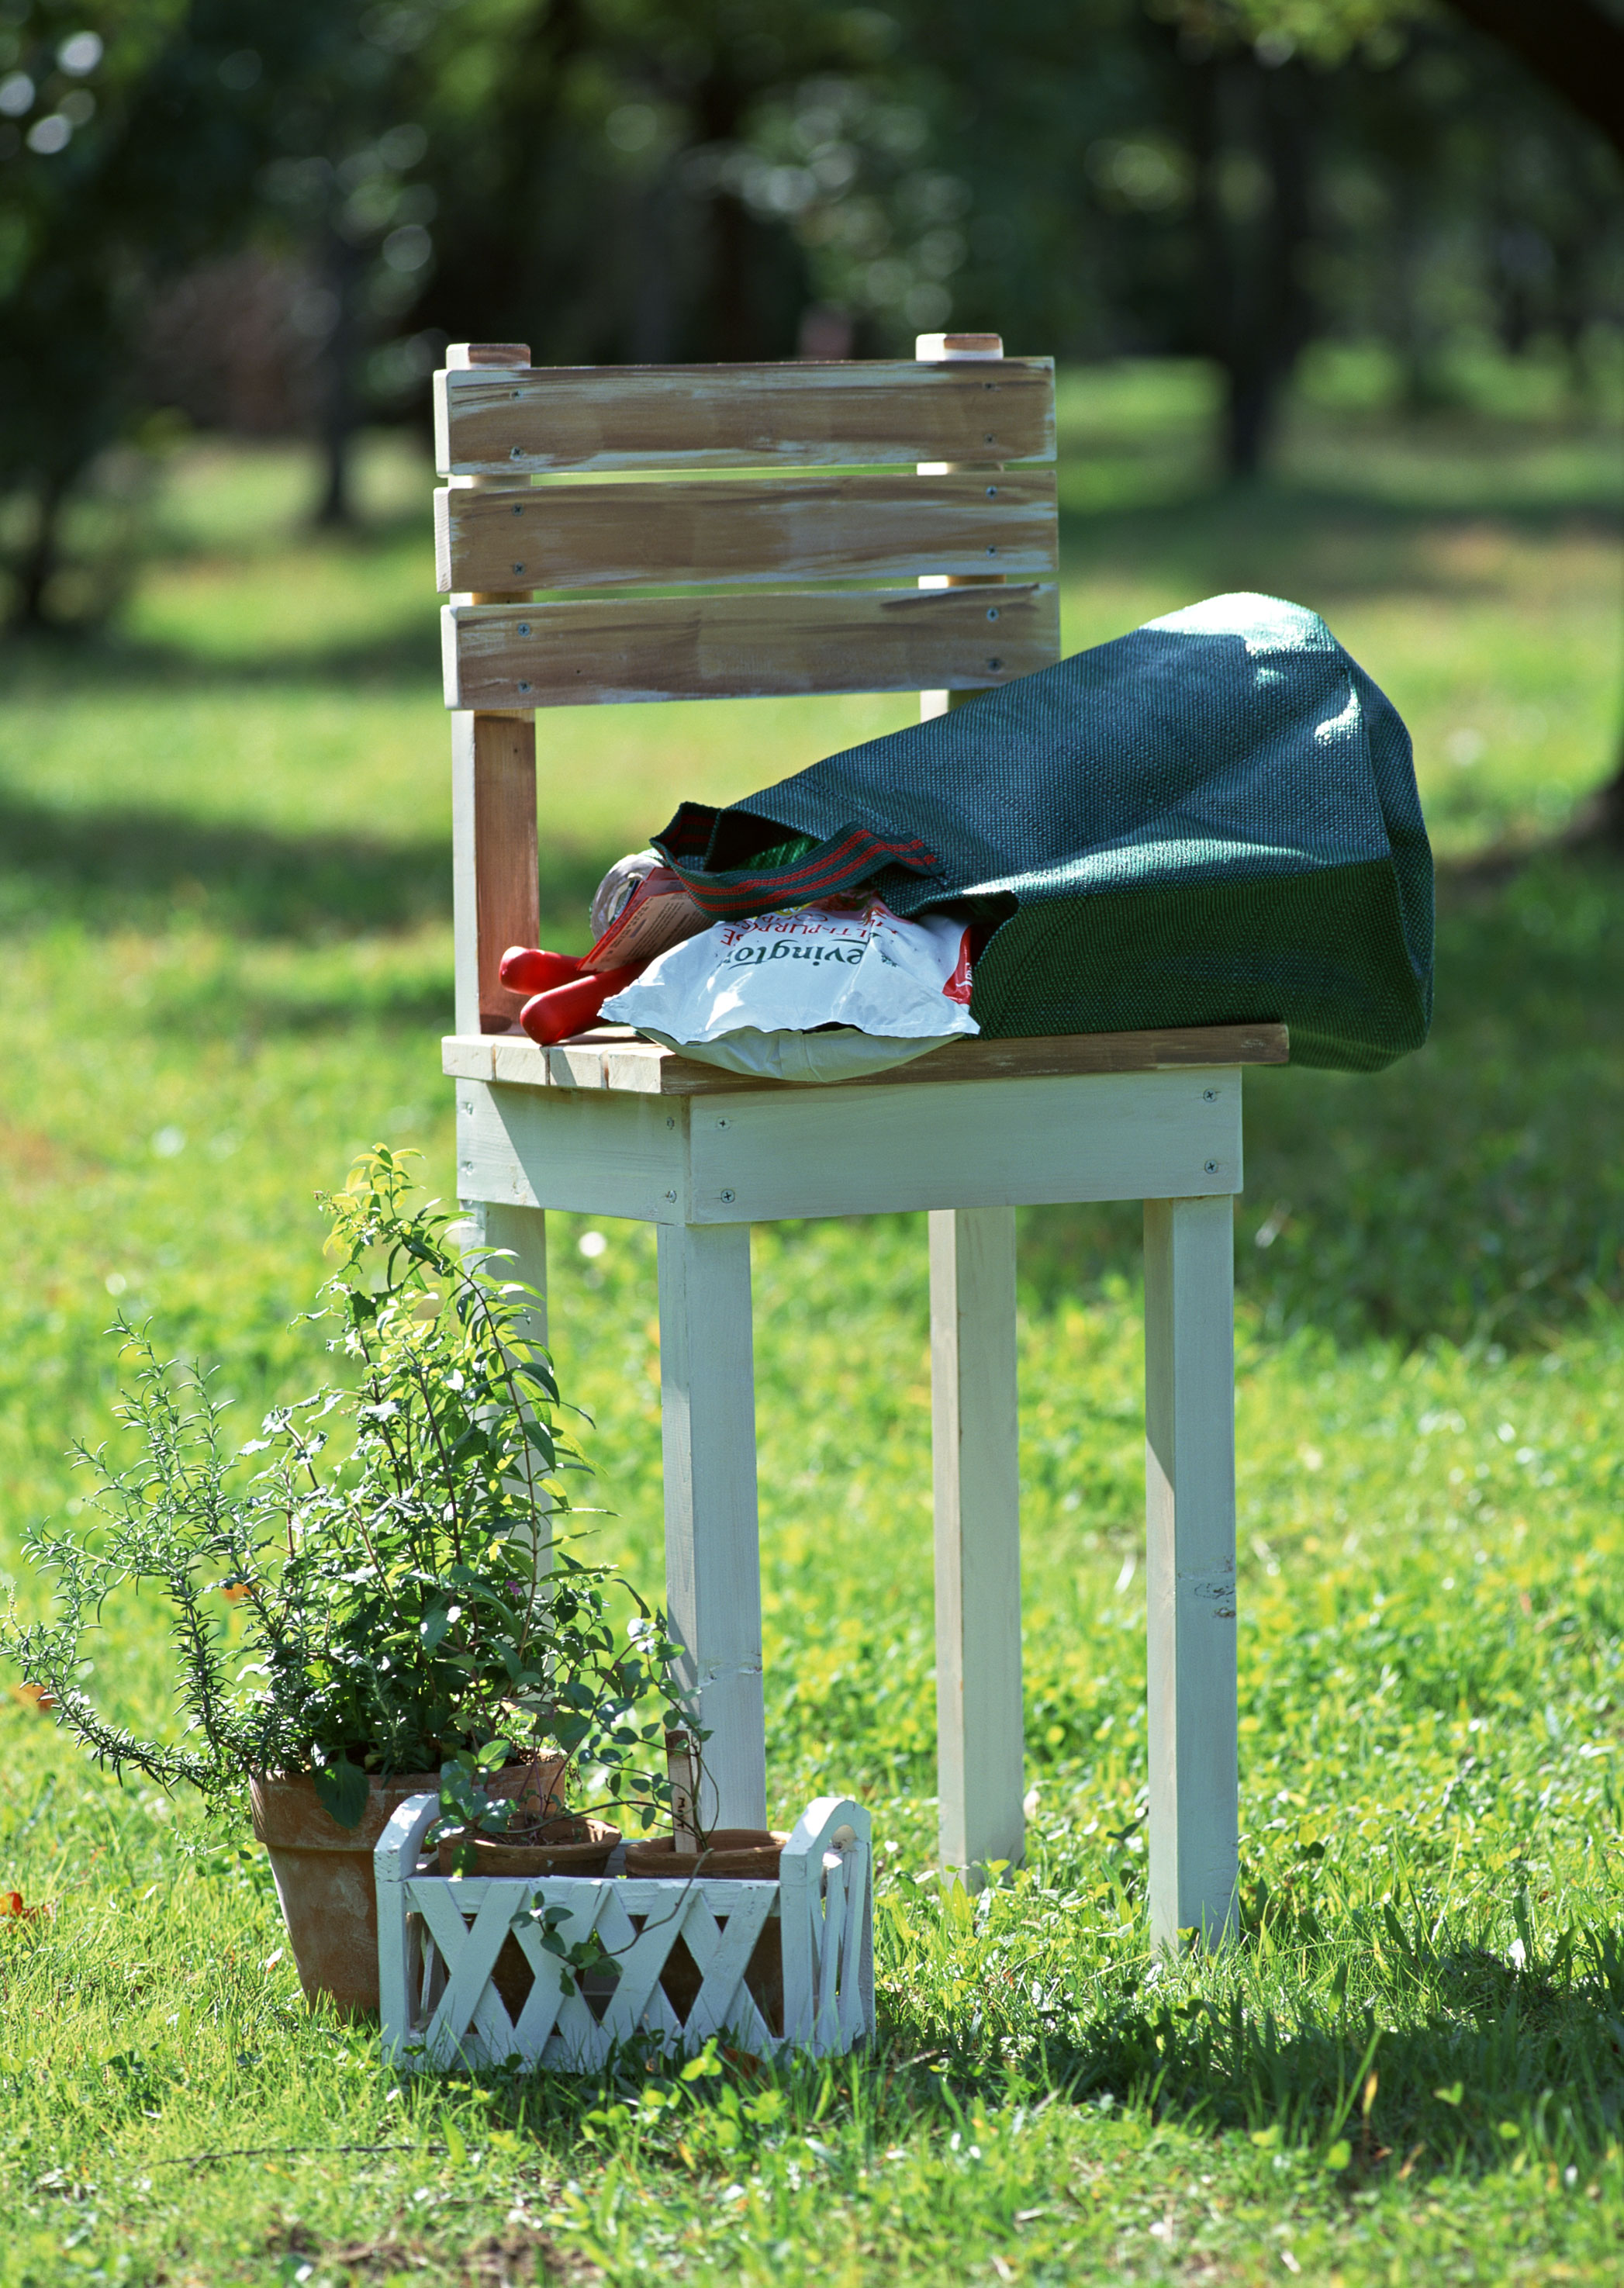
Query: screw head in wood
1212	1167
518	567
991	551
517	452
670	1195
992	609
524	626
994	664
524	687
727	1195
1210	1095
992	492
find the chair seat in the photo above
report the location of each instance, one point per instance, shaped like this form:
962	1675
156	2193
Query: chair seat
613	1057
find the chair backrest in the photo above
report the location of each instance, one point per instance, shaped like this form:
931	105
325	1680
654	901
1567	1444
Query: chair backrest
612	534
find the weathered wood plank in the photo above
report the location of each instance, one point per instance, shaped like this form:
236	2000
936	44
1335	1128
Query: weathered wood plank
495	896
611	1057
698	417
1189	1567
862	525
752	644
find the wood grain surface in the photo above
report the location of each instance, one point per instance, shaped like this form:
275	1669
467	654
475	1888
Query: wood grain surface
611	1057
863	525
492	860
600	417
755	643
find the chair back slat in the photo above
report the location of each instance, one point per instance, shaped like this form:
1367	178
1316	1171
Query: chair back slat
860	525
523	421
747	645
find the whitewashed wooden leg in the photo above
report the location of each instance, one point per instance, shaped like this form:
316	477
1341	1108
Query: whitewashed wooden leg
1190	1566
521	1233
976	1454
712	1562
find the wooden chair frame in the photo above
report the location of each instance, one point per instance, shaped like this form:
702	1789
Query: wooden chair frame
861	473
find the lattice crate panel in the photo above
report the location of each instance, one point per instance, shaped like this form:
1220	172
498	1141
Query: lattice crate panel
444	1956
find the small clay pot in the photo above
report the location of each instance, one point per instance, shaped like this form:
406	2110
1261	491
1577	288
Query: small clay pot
560	1847
740	1855
324	1876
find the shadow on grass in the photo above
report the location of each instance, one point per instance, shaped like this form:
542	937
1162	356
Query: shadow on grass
1477	2063
1317	543
142	868
406	657
1460	2062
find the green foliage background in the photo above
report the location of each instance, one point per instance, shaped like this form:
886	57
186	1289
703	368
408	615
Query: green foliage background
275	213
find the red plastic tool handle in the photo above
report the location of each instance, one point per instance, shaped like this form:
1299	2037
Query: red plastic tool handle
527	969
571	1008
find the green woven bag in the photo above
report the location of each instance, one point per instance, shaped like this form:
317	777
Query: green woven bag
1211	821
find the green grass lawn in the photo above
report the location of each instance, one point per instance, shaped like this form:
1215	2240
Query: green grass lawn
225	899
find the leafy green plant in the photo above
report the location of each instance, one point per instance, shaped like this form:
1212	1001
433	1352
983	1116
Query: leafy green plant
406	1596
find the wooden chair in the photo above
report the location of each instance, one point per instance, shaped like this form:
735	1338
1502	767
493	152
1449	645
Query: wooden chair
933	478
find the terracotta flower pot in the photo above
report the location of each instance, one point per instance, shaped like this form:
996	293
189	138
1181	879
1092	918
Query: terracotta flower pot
743	1855
324	1871
561	1846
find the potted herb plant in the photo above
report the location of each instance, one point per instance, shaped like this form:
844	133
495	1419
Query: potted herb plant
382	1593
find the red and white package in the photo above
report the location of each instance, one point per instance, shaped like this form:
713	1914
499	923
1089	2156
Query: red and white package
817	993
642	908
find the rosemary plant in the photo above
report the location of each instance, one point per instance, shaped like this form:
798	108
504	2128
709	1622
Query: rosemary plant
387	1580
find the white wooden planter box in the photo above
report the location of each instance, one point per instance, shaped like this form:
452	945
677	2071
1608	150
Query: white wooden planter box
440	1938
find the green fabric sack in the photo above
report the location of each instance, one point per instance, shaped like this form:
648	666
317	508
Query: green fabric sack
1211	821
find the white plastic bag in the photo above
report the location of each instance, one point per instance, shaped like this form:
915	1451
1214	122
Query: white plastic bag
754	996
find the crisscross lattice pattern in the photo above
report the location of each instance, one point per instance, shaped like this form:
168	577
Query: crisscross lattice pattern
466	1978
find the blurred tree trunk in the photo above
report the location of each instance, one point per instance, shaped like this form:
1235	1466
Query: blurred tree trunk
1578	50
651	309
340	415
39	558
720	103
1252	213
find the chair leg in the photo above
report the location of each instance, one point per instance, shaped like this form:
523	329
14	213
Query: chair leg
1190	1567
521	1233
977	1470
712	1562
